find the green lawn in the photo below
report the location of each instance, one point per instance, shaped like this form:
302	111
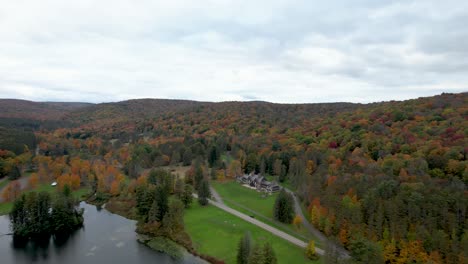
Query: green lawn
217	233
256	201
251	202
5	208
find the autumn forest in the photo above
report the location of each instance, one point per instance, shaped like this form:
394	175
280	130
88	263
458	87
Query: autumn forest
387	181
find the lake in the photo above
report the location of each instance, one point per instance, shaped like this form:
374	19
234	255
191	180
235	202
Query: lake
105	238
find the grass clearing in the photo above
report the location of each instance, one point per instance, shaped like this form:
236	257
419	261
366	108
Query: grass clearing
254	203
217	233
5	208
259	202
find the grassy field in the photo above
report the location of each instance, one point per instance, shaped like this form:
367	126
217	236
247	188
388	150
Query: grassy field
251	202
5	208
217	233
256	201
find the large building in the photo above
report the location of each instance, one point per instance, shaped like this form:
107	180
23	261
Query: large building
259	182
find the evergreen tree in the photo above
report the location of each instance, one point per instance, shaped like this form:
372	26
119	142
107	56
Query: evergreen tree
173	220
144	199
213	156
284	207
14	173
198	175
269	254
204	193
153	212
161	200
187	195
244	248
256	256
187	157
179	188
65	218
365	251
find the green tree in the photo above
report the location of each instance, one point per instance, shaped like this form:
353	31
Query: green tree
187	157
187	196
365	251
160	204
269	254
256	256
144	201
173	220
204	193
284	207
244	248
198	175
179	188
65	217
14	173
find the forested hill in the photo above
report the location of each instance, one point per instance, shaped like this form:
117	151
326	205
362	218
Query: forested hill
22	109
387	180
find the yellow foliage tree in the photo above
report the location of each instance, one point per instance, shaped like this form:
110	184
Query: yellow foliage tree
297	221
33	180
310	250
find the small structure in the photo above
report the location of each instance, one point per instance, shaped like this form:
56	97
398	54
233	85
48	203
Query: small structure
54	184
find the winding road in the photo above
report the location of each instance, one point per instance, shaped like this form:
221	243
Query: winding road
297	208
314	231
260	224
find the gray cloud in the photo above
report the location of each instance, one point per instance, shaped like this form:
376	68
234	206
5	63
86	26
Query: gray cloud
280	51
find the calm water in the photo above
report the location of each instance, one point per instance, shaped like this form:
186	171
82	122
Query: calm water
105	238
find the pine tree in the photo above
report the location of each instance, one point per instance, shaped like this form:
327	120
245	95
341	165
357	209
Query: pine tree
14	173
187	197
161	198
179	188
173	220
204	193
198	175
244	248
256	256
284	207
269	255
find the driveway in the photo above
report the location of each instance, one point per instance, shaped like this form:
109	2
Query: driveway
264	226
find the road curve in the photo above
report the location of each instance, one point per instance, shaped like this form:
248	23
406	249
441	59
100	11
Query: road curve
264	226
314	231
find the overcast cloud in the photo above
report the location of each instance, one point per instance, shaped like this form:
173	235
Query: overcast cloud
280	51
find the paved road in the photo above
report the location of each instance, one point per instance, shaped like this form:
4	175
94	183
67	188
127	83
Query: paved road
314	231
216	195
262	225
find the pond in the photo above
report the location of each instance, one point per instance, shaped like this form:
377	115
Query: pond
105	238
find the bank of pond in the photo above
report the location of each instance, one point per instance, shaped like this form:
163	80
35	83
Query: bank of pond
103	238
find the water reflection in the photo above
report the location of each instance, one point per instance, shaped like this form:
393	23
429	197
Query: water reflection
105	238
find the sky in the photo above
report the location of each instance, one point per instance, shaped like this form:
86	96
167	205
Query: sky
221	50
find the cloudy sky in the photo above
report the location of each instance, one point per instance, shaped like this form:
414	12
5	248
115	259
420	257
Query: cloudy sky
217	50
